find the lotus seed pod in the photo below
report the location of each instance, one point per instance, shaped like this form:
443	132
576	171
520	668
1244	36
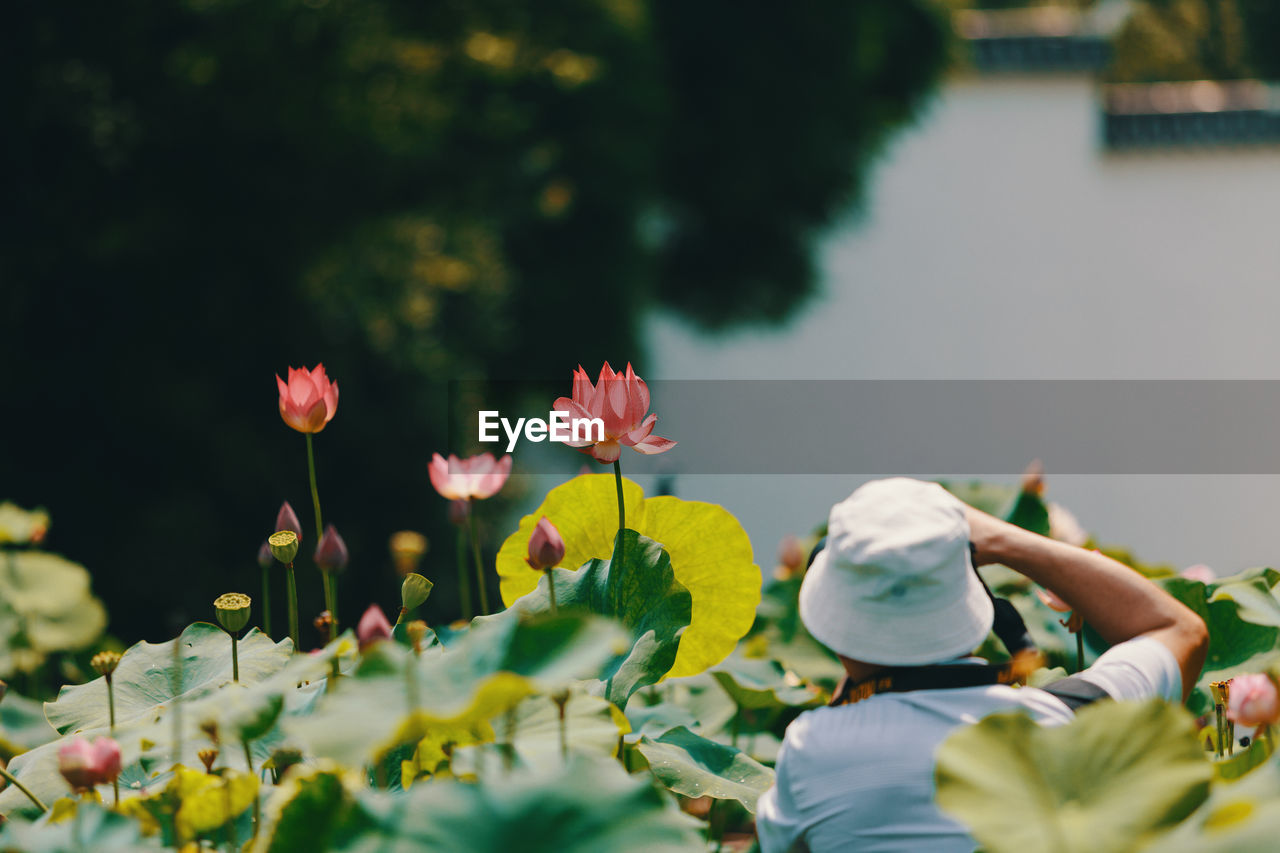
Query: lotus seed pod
233	611
414	590
416	631
407	548
105	663
207	757
283	545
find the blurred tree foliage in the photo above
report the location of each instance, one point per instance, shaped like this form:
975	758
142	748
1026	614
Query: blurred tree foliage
203	192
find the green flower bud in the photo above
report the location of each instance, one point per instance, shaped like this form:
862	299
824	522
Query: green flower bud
283	545
414	590
233	610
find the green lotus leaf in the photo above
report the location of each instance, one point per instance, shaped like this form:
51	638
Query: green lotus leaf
1120	772
695	766
145	681
49	601
638	588
593	726
710	555
757	683
22	725
1242	815
92	827
309	808
1236	645
584	807
487	670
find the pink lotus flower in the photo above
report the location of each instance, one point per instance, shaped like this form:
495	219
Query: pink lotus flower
308	400
85	765
1199	572
1252	700
373	627
621	401
287	519
546	546
331	551
476	477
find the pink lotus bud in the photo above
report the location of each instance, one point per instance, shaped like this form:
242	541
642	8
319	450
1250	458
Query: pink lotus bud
85	765
265	557
1252	700
373	627
1050	599
331	553
791	553
1199	572
287	519
546	546
308	401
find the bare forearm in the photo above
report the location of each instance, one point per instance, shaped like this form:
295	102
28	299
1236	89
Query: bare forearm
1115	600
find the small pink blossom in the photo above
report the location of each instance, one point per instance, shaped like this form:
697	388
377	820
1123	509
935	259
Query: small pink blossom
85	765
373	627
1199	572
546	546
308	401
1252	700
476	477
621	402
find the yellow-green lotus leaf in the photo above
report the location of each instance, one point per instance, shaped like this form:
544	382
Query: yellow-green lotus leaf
710	555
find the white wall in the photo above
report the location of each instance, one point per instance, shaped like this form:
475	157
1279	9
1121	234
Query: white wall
1000	240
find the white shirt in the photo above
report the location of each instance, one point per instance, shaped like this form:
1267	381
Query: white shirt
860	777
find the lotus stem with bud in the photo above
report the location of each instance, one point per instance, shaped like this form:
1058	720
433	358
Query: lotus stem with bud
546	550
414	591
105	663
232	609
284	547
469	480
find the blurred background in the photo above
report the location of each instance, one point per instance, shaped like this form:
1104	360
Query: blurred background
201	194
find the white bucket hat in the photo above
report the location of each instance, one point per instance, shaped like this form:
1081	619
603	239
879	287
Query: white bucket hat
895	584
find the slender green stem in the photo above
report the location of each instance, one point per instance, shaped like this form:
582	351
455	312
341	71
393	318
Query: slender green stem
564	729
475	552
622	507
1080	649
509	748
551	588
404	611
464	580
293	609
1217	712
315	493
266	601
175	686
12	780
235	660
257	808
111	704
115	790
331	603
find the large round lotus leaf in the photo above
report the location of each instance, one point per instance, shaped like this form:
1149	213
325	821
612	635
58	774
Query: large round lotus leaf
1117	774
146	680
50	597
710	555
92	827
586	806
694	766
1238	816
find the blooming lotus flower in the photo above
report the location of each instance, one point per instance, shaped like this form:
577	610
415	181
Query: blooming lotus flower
85	765
1252	700
331	551
373	627
287	519
476	477
1199	572
621	402
546	546
308	400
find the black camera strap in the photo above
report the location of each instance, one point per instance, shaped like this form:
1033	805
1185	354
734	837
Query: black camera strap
1073	691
